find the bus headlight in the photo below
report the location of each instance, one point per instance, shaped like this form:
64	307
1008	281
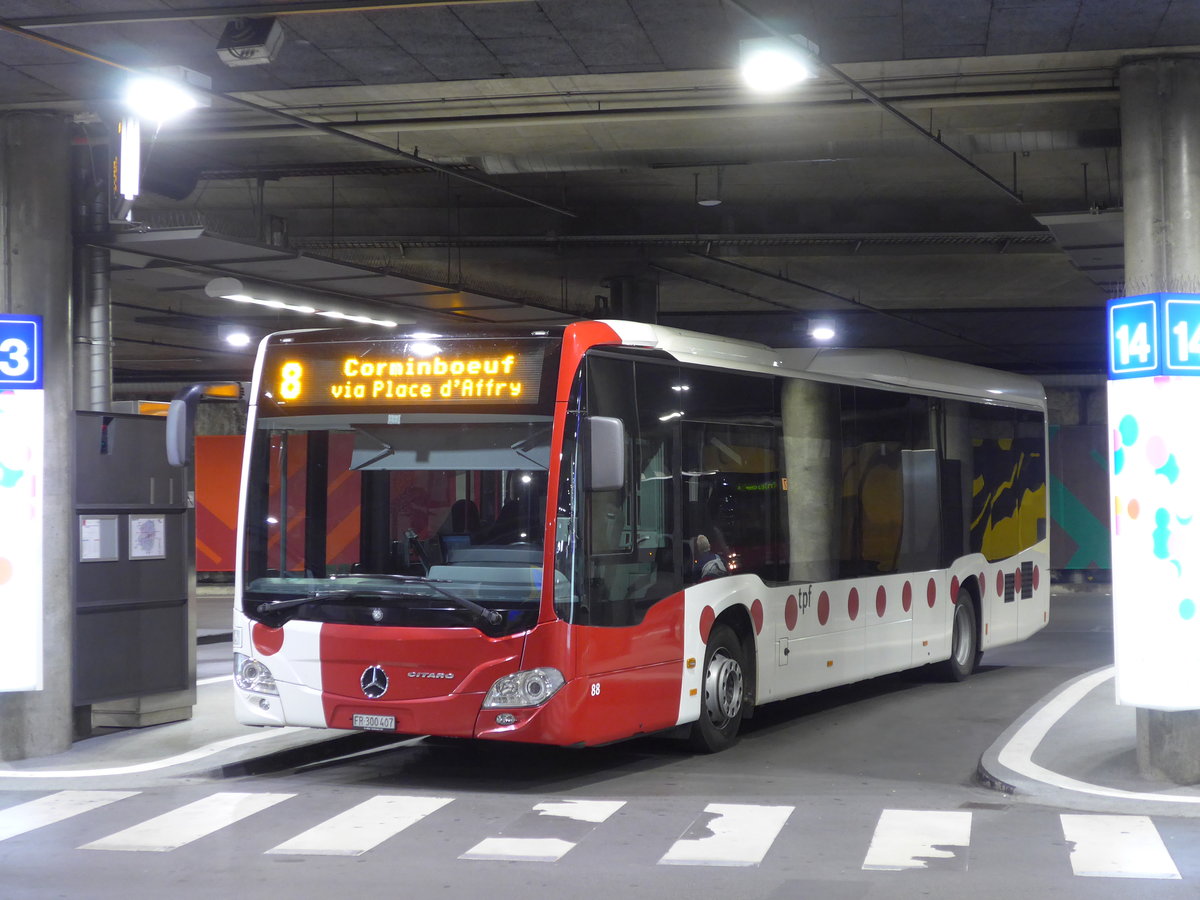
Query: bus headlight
532	687
251	675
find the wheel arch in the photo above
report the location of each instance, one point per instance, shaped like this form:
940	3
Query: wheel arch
971	585
737	617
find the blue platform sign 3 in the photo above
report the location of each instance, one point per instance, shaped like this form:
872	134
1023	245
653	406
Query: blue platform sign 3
1133	337
20	352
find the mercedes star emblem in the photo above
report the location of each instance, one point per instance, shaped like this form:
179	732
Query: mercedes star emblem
374	682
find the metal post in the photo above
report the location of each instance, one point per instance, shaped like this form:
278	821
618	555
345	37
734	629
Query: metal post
93	313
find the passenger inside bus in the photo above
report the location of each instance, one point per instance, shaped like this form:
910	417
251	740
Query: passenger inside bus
463	518
706	564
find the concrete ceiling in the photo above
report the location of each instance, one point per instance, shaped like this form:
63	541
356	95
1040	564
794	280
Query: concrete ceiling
512	161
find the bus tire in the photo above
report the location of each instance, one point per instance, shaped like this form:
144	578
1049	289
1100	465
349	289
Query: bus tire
724	693
964	640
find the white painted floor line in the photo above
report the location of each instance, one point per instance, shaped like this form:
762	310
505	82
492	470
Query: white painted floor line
906	838
188	823
520	849
152	765
1117	847
1017	754
363	827
54	808
739	835
549	849
216	679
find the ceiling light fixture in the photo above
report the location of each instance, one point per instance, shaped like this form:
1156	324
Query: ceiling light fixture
708	189
161	94
271	297
773	65
822	329
235	335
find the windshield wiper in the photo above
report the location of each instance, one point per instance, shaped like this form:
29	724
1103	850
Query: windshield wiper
481	614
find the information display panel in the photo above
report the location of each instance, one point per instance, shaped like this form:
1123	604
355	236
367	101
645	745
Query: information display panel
456	374
22	430
1154	482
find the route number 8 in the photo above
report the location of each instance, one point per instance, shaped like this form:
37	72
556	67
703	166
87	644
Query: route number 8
289	385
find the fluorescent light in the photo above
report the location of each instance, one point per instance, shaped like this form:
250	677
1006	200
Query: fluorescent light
234	289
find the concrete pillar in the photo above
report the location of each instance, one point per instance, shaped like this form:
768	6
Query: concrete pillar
1160	170
813	460
35	278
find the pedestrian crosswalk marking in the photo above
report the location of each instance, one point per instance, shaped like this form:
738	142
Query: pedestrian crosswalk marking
545	849
905	839
188	823
54	808
363	827
730	835
727	834
1117	847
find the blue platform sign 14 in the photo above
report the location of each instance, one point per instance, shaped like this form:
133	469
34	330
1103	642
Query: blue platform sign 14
20	352
1181	327
1133	337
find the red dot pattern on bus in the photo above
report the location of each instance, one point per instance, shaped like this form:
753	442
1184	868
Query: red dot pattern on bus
791	612
756	613
267	641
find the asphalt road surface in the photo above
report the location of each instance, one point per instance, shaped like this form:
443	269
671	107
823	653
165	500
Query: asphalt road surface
868	791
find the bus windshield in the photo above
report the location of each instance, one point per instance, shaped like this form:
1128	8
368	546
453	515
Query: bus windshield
437	522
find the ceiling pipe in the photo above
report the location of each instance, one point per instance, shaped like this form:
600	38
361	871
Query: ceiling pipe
887	313
633	115
196	14
319	127
874	98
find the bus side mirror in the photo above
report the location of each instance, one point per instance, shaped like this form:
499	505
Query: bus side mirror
606	453
180	424
181	415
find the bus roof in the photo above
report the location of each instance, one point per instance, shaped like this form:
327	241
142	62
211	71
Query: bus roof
891	368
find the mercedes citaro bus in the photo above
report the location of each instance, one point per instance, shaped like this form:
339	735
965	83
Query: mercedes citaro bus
576	535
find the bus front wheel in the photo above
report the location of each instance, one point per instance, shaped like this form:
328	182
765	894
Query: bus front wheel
724	700
964	640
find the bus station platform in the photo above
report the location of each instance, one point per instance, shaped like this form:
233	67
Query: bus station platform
1074	749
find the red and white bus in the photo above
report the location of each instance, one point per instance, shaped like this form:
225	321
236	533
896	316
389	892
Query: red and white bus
579	535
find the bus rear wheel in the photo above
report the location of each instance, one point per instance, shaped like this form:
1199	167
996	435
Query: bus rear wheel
724	700
964	640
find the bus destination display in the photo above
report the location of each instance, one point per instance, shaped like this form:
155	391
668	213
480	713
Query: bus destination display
495	375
